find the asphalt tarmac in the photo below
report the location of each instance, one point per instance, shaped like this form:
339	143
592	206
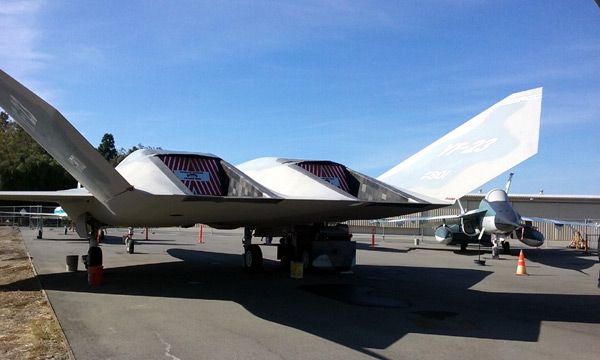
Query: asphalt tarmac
177	299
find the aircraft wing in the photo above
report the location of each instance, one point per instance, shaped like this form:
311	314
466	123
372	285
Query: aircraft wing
24	213
473	214
559	223
59	196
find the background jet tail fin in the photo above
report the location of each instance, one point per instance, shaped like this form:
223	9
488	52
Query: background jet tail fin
479	150
61	140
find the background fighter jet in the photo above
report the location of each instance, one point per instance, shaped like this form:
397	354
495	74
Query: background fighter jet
58	213
301	201
495	217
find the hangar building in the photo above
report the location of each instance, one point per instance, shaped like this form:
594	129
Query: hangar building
581	208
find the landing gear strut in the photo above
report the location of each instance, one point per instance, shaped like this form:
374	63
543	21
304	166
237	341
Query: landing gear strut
94	255
129	245
318	246
506	248
129	241
252	257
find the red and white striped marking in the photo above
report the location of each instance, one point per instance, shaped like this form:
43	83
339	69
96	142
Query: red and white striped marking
201	175
333	174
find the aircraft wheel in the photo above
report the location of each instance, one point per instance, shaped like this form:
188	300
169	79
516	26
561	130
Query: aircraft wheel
253	259
285	263
94	257
130	246
506	248
339	269
305	259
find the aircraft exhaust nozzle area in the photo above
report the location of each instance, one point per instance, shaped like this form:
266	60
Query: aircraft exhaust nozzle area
161	172
298	179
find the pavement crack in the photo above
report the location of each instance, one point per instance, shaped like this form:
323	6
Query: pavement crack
167	348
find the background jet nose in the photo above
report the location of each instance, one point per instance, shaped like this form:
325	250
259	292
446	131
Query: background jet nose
506	222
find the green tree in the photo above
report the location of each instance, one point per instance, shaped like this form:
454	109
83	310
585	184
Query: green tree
24	165
107	148
3	118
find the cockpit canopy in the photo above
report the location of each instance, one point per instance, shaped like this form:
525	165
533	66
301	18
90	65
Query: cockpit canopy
496	195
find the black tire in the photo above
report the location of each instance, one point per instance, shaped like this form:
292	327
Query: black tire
285	263
340	269
305	258
94	257
130	246
463	246
506	248
284	253
253	259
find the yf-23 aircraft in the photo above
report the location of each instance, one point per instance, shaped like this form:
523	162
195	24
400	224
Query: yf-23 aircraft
494	221
301	201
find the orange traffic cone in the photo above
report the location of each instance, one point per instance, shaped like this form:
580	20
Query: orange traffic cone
521	270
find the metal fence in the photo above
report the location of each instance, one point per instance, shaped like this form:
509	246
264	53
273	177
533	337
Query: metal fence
13	216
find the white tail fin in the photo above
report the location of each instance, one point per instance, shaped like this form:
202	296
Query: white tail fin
61	140
484	147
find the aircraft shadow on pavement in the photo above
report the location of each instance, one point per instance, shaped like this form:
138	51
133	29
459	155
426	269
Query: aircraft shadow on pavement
452	249
563	258
118	240
62	238
373	307
368	247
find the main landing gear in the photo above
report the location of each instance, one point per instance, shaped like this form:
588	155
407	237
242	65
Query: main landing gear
128	241
94	255
506	247
252	257
320	246
129	245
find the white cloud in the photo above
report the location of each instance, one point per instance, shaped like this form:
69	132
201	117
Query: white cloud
19	36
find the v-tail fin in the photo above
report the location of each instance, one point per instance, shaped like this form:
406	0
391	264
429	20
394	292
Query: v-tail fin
61	140
479	150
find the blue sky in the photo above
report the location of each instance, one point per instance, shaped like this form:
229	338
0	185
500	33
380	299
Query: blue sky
366	84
